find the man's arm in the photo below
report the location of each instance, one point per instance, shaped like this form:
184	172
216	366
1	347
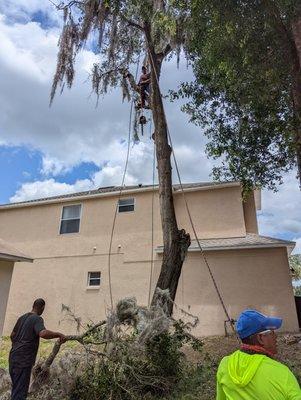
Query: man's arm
293	388
47	334
12	335
220	394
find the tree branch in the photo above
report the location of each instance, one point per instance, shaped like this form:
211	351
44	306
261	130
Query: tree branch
132	82
61	6
168	49
41	372
131	23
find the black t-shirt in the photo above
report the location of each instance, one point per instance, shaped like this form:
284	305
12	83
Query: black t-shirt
25	342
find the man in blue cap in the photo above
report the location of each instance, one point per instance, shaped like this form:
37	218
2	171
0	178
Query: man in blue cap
251	373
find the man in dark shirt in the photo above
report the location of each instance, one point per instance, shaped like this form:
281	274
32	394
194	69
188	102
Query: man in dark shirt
25	339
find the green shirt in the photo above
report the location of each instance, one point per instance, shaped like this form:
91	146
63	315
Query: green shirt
242	376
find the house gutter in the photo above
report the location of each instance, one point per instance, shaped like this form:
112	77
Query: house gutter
289	247
10	257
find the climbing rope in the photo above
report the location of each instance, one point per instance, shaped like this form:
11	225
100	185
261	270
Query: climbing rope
152	218
230	320
121	188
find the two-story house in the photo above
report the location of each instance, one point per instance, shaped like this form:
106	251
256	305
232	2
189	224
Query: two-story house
68	237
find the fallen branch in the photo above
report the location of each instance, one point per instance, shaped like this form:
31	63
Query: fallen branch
40	372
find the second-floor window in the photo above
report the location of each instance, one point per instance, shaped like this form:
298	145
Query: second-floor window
126	205
70	219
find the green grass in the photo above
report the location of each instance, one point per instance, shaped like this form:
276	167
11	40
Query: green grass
44	349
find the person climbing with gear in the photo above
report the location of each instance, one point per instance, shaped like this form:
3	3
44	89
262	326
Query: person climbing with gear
252	372
144	86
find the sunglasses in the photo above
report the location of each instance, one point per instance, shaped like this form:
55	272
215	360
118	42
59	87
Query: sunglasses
267	332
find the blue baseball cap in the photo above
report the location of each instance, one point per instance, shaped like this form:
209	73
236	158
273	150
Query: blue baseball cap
252	321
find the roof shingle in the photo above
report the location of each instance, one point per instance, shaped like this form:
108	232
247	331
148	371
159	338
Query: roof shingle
249	241
112	189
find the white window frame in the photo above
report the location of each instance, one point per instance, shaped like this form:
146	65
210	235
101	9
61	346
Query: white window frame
127	198
80	218
89	280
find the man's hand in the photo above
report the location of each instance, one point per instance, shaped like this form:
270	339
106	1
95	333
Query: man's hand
62	338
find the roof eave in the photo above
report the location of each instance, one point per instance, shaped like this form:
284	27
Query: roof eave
15	258
113	194
159	250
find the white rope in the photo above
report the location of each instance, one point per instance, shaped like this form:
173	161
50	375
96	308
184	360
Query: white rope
188	210
152	223
121	189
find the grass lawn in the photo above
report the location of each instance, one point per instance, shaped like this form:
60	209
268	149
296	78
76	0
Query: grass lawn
201	383
44	349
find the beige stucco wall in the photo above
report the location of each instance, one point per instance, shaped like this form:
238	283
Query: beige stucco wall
6	270
257	279
216	213
62	262
247	278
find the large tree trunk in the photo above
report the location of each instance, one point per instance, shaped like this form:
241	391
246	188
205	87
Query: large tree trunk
175	241
296	89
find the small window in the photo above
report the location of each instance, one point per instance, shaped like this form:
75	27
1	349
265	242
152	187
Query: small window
94	278
125	205
70	219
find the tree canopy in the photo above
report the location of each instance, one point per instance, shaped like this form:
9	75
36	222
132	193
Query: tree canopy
120	30
247	92
126	29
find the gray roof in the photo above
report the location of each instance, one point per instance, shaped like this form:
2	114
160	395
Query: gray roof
112	189
10	253
250	241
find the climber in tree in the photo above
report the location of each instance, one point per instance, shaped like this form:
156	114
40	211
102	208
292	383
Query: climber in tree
144	83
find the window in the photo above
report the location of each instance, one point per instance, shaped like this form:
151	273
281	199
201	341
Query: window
125	205
70	219
94	278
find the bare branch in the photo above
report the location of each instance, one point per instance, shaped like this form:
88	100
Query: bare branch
132	81
131	23
168	49
41	372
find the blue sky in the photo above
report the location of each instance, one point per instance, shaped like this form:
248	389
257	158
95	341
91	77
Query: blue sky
19	164
73	145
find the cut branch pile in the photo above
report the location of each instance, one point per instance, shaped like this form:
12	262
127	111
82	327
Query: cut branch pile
126	341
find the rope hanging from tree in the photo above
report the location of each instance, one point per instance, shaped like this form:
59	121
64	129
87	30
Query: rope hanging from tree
229	319
144	121
120	191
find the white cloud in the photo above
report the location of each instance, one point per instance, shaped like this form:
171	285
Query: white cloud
73	131
49	187
281	210
22	10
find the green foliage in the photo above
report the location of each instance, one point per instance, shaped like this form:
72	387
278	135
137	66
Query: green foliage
121	30
297	290
295	266
153	372
242	95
